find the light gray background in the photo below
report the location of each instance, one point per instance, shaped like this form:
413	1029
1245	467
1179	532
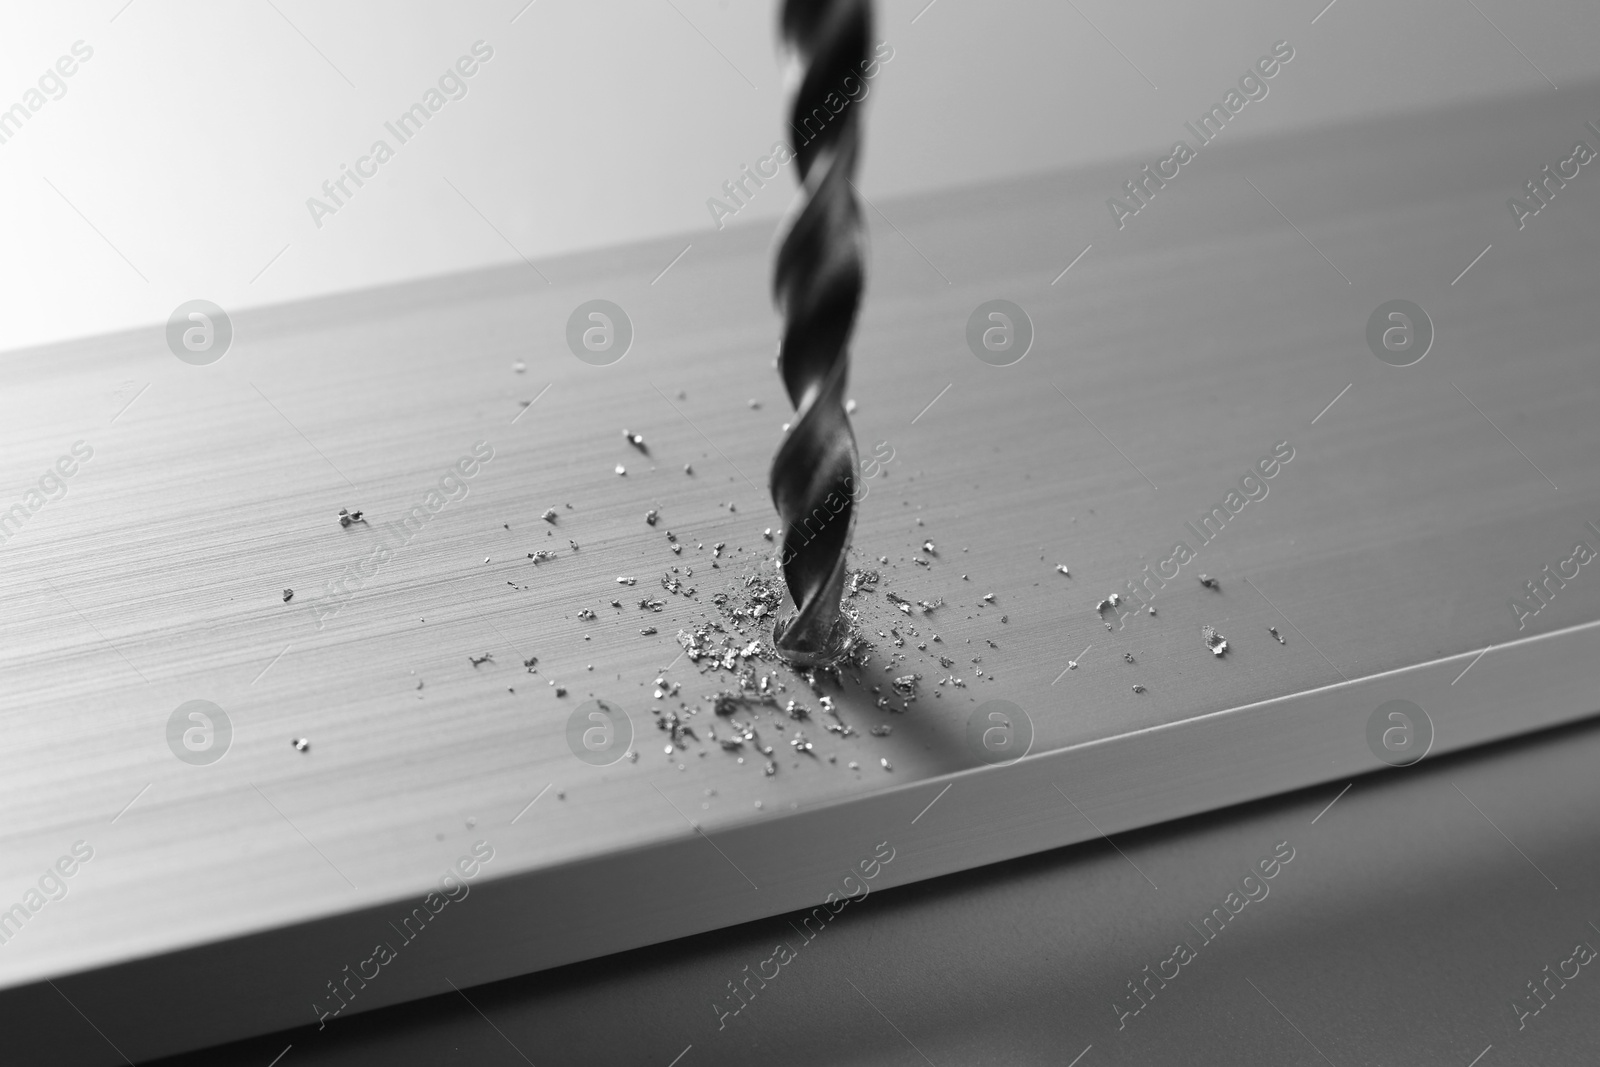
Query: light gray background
193	137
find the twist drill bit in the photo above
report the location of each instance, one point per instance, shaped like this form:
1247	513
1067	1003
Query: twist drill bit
817	285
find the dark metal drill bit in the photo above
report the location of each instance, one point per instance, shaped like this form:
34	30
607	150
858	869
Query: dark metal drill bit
817	285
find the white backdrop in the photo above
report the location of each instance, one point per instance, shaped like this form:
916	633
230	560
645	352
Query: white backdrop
177	160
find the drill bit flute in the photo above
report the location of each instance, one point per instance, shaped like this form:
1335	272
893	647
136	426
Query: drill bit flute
817	285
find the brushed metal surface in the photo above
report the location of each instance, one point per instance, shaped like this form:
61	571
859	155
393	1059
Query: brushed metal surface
1189	344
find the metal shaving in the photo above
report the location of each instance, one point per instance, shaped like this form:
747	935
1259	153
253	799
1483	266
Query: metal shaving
1138	689
348	517
737	640
675	727
906	686
1062	567
728	702
1214	641
1273	630
651	516
549	516
301	744
1210	582
861	579
487	657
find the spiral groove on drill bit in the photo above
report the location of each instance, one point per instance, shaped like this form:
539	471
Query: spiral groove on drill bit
817	284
